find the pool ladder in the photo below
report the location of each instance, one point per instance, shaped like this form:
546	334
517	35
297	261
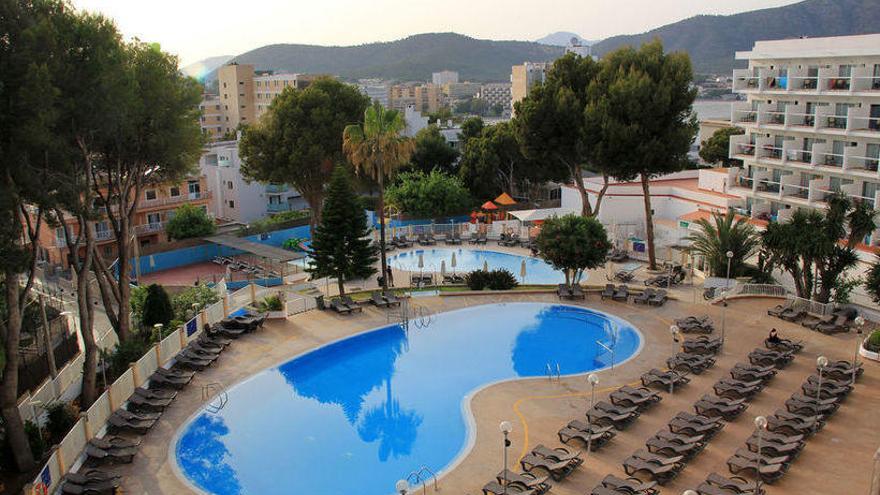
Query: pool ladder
421	476
550	372
220	397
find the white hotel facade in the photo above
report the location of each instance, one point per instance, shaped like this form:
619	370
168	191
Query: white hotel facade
812	122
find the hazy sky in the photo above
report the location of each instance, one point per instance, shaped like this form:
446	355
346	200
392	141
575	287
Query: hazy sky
196	29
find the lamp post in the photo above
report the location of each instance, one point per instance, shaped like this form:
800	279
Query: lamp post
676	335
158	327
594	380
860	322
761	425
505	428
729	255
401	486
821	363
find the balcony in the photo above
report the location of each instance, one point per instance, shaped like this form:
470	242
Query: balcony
836	122
276	188
150	228
745	149
768	186
174	200
811	83
771	152
744	182
776	118
277	207
832	160
103	235
839	84
793	191
799	156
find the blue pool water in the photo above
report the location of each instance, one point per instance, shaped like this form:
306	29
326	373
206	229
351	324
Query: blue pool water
356	415
537	271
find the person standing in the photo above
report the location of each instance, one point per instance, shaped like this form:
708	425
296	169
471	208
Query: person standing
390	276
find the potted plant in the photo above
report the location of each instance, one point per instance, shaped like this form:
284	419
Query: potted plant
275	306
870	348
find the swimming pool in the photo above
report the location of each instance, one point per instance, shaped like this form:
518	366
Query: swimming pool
537	271
357	415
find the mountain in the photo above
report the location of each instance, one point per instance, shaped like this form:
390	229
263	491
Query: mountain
561	38
412	58
712	40
204	67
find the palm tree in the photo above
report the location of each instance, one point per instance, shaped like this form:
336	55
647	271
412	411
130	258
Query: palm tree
726	232
377	149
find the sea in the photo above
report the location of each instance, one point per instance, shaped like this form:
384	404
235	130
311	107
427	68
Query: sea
712	109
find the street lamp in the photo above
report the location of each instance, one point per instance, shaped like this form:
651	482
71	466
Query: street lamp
761	425
723	315
676	335
729	255
594	380
506	428
401	486
860	322
821	363
158	327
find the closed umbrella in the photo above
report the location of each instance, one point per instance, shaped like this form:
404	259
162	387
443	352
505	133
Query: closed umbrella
522	271
453	263
443	268
421	265
485	266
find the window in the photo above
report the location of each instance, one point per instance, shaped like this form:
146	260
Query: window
150	194
241	83
229	185
869	190
224	85
194	190
108	250
175	191
231	204
154	219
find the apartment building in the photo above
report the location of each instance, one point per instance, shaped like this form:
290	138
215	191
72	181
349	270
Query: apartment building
444	77
461	90
244	96
375	89
524	77
233	199
156	205
812	122
496	94
426	98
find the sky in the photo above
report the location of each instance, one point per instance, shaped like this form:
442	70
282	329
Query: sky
197	29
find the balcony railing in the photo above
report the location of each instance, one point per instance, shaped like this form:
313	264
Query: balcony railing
277	207
103	235
833	160
811	83
768	186
173	200
777	118
797	191
799	156
150	228
745	182
771	152
276	188
745	149
839	84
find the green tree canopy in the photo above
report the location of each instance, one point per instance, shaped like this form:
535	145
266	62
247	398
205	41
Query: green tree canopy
341	247
190	221
157	307
430	195
818	242
872	282
573	244
300	138
716	149
725	232
433	152
470	128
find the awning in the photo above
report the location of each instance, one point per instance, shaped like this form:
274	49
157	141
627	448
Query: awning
541	214
488	205
263	250
505	200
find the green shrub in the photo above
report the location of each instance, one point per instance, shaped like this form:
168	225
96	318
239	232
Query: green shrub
124	353
61	418
493	280
182	302
873	342
293	244
35	439
157	307
278	221
190	221
271	303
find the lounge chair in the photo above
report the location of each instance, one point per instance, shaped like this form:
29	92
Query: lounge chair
403	242
596	437
558	470
800	407
811	399
191	363
175	373
644	297
790	427
770	358
340	307
735	390
734	483
391	298
641	398
558	454
87	476
140	403
775	449
117	423
715	409
615	409
214	340
661	474
811	320
664	378
229	332
162	381
630	485
792	314
702	345
769	473
152	393
666	448
563	291
529	480
621	294
680	438
116	456
707	489
351	304
618	421
780	308
91	488
495	488
192	355
110	442
608	292
203	350
839	325
659	298
577	292
377	299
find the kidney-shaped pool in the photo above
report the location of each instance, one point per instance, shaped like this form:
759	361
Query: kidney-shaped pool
356	415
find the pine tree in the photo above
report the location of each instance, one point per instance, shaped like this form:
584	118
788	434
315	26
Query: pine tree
157	307
341	246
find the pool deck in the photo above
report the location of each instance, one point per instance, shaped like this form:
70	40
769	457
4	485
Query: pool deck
837	460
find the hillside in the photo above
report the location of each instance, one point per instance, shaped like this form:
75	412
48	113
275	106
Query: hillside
560	38
712	40
412	58
203	67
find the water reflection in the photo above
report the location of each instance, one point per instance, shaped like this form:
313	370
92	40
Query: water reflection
201	447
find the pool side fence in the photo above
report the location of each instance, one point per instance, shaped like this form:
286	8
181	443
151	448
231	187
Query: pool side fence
68	454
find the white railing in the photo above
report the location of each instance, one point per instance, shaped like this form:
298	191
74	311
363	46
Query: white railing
811	306
93	421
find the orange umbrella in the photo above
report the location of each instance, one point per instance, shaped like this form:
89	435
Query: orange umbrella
505	200
488	205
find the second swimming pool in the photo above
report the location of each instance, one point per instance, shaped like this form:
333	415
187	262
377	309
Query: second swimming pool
355	416
538	271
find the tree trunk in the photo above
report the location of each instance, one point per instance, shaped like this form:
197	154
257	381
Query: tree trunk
123	243
90	364
47	339
578	176
380	210
601	195
105	289
315	200
649	223
15	434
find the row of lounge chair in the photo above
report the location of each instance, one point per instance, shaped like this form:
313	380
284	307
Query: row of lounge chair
241	265
805	413
573	291
647	296
146	405
837	322
695	324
